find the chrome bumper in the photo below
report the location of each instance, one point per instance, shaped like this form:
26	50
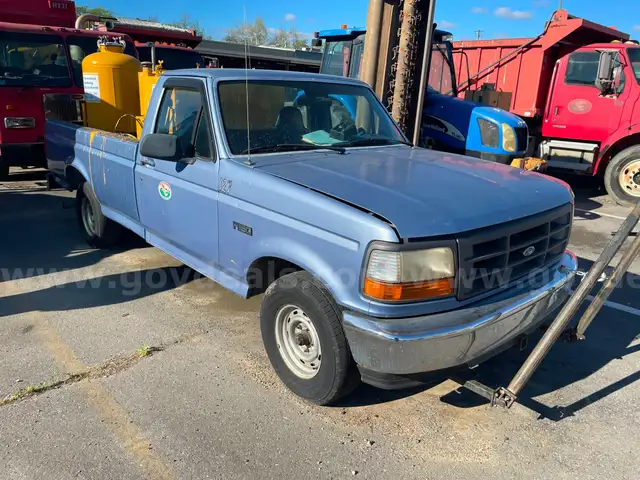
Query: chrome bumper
445	340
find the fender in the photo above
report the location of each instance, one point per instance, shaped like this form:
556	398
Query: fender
614	143
338	282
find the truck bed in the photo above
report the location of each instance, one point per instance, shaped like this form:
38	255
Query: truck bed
520	70
101	157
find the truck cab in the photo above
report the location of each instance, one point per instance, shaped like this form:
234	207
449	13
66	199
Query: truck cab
592	115
449	124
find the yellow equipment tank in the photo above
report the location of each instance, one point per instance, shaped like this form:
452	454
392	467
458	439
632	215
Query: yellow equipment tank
112	95
147	78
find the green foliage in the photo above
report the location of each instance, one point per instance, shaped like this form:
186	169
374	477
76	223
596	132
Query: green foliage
100	11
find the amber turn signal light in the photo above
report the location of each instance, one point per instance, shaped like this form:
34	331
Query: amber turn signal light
443	287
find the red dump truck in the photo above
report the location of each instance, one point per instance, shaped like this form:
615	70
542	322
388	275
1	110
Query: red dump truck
577	85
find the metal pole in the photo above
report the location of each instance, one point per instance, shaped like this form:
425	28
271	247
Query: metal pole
399	111
424	75
372	42
570	308
612	282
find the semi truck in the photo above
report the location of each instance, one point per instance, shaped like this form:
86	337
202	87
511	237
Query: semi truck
448	123
577	86
375	258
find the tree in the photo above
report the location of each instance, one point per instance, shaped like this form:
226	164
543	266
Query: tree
290	39
186	22
100	11
253	34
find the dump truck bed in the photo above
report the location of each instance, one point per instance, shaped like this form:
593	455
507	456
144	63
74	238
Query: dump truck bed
519	70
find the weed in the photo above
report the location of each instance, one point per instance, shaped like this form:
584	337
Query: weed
143	351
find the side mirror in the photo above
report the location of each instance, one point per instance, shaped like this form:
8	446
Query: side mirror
166	147
605	71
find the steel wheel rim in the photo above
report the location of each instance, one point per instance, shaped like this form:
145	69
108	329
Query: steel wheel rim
298	342
88	218
630	178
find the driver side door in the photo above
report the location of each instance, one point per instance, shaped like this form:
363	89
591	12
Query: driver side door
178	201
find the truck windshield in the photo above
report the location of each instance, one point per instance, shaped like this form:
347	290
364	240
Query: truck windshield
335	60
173	58
634	58
301	115
33	59
440	73
82	45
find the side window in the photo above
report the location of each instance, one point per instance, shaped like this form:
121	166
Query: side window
179	113
582	68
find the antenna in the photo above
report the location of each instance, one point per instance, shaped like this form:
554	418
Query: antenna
246	83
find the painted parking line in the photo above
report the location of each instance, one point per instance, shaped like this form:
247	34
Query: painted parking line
596	212
617	306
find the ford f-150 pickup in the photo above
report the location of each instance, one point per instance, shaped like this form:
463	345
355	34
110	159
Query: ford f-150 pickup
377	260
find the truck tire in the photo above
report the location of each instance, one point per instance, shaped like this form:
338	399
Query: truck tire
302	334
622	177
4	171
100	232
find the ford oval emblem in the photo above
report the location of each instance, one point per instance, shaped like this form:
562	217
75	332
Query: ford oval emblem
529	251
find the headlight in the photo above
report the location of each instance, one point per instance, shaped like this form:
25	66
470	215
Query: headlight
508	138
488	133
19	122
410	275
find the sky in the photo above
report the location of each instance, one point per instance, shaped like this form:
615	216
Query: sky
495	18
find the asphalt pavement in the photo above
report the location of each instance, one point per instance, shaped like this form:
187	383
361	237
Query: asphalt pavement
125	364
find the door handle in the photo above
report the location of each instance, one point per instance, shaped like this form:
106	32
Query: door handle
555	112
147	162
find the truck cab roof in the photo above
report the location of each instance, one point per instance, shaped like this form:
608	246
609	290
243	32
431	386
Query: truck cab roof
242	74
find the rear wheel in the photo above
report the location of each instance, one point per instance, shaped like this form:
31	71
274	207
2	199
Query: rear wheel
622	177
303	336
100	231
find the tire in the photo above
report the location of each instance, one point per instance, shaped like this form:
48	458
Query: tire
100	232
620	179
299	300
4	171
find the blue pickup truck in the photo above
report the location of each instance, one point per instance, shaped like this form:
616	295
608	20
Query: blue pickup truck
376	260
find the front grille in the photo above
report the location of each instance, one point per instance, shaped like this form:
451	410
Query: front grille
64	107
496	256
522	137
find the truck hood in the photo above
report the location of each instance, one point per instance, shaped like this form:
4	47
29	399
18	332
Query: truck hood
422	192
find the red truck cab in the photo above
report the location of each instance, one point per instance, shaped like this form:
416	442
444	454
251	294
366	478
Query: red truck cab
577	86
40	75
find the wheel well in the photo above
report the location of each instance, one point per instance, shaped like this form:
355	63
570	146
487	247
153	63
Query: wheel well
615	149
266	270
74	177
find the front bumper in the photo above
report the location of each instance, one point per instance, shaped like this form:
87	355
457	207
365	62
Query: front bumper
504	158
460	337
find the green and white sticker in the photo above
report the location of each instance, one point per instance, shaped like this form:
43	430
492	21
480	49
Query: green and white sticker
164	189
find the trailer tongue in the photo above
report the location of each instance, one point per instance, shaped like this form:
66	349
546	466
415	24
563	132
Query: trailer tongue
507	396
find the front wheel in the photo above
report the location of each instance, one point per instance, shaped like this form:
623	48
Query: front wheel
304	340
622	177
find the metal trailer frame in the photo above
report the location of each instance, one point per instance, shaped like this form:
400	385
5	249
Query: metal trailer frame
507	396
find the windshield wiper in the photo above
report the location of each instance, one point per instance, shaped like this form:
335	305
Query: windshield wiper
291	147
370	142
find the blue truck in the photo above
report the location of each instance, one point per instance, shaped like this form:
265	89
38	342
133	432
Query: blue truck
449	124
377	260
